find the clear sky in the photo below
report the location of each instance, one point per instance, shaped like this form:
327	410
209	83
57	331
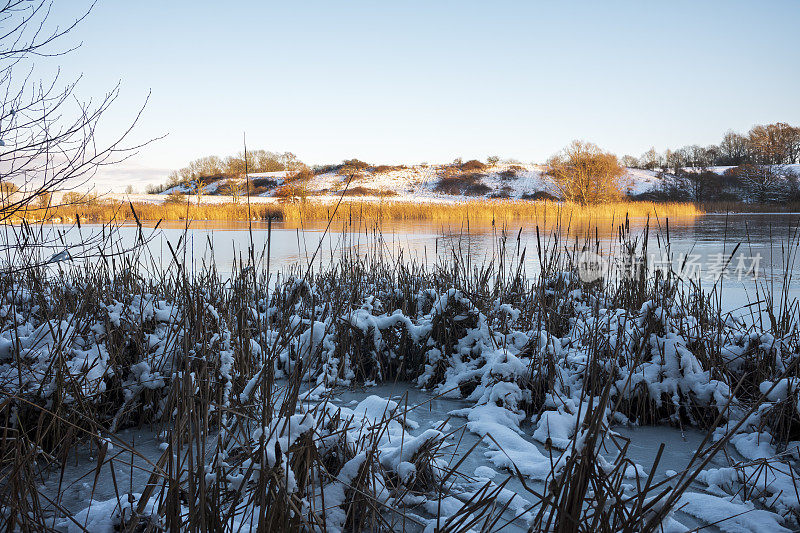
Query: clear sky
430	81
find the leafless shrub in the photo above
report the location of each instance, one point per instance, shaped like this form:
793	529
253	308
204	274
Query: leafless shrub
470	184
503	192
473	165
265	183
508	174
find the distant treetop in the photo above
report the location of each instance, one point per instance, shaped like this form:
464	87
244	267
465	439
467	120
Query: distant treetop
214	167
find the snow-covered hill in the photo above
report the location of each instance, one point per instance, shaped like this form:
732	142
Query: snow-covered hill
422	182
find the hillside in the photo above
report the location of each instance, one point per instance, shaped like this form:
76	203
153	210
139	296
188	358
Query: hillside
435	183
421	182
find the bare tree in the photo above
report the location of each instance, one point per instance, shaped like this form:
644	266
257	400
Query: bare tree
583	173
698	157
699	184
651	159
200	190
48	142
47	134
733	149
791	141
630	161
234	188
674	160
774	144
763	183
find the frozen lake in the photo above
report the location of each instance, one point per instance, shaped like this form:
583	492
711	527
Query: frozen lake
748	252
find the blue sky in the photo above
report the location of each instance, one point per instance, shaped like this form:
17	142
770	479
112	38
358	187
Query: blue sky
430	81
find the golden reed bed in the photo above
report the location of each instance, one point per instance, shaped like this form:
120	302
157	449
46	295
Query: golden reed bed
477	211
483	210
